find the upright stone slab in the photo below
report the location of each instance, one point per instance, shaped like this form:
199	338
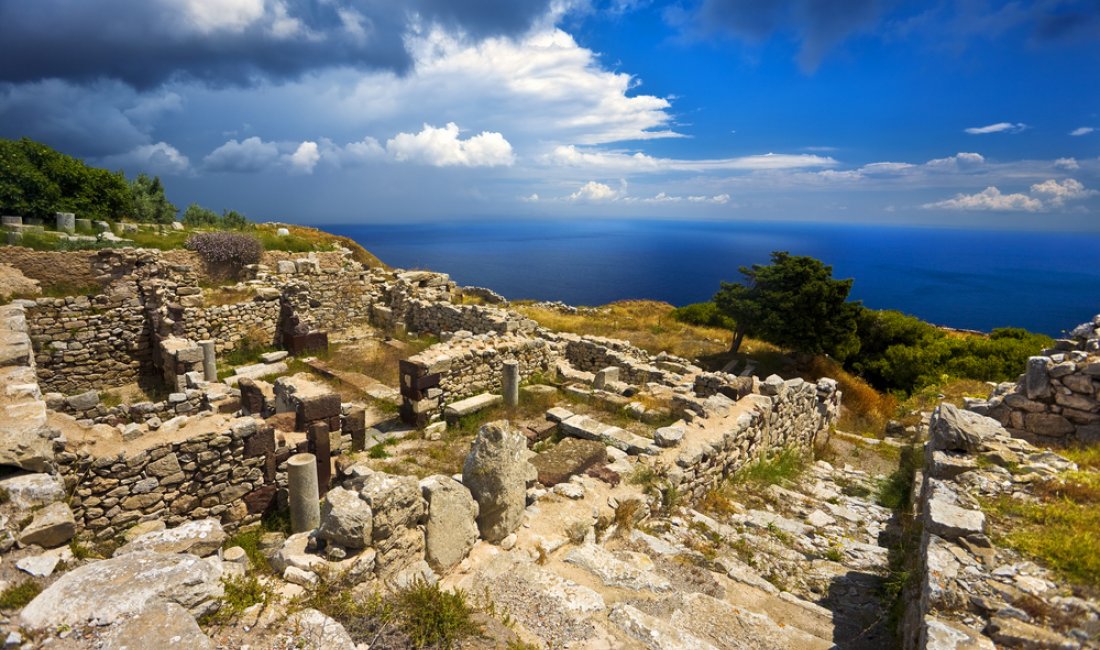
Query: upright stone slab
11	220
451	530
65	222
305	501
496	472
510	383
320	446
209	361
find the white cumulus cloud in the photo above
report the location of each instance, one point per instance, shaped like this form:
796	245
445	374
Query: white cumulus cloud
206	16
638	162
1082	130
247	156
999	127
159	158
441	147
990	198
304	158
595	192
1058	192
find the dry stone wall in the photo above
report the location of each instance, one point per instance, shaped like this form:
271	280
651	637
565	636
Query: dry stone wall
464	367
53	268
1057	399
231	474
783	414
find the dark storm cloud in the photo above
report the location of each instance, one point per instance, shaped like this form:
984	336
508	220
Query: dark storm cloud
147	42
818	25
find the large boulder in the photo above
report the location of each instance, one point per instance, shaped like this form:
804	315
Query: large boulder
51	526
165	626
398	510
451	530
953	429
28	491
345	519
106	592
200	537
496	472
25	443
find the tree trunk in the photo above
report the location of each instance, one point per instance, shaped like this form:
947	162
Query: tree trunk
738	336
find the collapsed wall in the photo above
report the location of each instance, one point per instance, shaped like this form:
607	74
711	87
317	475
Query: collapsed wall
1057	399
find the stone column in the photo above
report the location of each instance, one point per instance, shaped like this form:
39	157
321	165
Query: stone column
209	361
510	380
66	222
305	502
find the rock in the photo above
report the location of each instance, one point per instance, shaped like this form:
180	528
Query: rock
293	553
558	414
451	530
729	626
651	632
937	634
52	526
569	457
200	537
106	592
143	528
668	436
951	429
164	626
1048	424
395	501
300	577
462	408
346	519
315	630
28	491
25	443
1037	377
1013	633
569	490
496	471
40	566
83	401
952	522
819	519
615	572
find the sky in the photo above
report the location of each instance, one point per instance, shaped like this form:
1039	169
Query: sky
970	113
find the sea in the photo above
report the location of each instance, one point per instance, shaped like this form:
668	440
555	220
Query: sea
969	279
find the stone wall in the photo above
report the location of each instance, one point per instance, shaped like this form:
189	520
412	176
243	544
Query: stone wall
231	474
969	592
783	414
464	367
440	317
53	268
593	353
1057	400
253	321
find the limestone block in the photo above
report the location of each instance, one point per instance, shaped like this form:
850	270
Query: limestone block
200	537
346	519
451	529
496	471
52	526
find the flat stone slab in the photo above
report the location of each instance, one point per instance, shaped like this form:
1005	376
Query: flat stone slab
652	632
569	457
614	572
586	428
465	407
952	522
200	537
106	592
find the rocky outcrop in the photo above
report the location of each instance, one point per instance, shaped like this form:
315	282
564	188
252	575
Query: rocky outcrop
201	537
346	519
496	472
110	591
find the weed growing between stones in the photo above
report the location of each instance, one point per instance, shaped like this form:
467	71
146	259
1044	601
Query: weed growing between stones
18	595
241	592
780	468
577	531
896	493
433	617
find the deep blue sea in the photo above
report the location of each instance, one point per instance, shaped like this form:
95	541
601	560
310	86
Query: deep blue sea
974	279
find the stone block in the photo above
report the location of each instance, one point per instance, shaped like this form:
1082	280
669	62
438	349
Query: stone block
470	405
319	407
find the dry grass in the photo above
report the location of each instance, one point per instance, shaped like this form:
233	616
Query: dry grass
303	239
1086	457
865	410
377	359
226	296
645	323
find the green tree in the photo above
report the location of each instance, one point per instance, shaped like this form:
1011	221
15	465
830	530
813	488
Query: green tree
794	302
196	216
36	181
150	203
233	220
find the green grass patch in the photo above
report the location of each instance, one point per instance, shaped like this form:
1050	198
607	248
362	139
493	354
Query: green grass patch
780	468
241	593
1086	457
249	540
896	490
433	617
18	595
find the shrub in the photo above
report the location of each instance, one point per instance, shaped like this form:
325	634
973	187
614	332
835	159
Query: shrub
433	617
226	253
19	595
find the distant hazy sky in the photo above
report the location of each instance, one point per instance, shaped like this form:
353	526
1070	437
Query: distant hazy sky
959	112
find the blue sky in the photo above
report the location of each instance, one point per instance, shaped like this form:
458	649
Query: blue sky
959	112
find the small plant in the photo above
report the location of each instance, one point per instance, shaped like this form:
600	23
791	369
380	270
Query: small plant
577	531
249	540
18	595
5	496
79	550
645	476
780	468
432	617
626	515
378	451
240	593
834	554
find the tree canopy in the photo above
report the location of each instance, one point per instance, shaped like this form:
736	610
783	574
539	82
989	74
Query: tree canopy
37	181
150	203
793	302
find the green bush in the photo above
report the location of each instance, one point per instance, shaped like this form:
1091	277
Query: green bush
37	181
703	314
433	617
18	595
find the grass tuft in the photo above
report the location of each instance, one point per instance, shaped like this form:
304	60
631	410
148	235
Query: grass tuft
18	595
433	617
780	468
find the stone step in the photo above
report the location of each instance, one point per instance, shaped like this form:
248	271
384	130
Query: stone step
729	626
653	633
462	408
587	428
